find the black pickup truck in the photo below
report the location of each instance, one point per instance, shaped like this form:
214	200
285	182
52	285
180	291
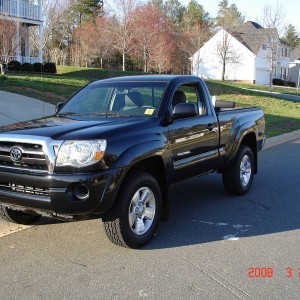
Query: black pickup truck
117	146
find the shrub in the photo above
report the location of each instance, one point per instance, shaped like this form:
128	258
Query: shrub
27	67
50	68
290	83
14	65
38	67
277	81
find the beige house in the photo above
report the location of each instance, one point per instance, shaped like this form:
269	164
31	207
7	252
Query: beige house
26	14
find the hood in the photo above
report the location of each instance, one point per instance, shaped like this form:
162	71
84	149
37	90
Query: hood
75	127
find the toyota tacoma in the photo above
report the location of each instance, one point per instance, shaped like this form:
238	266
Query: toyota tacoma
117	146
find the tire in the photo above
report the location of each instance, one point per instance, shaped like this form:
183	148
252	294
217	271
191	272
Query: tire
238	177
134	218
17	216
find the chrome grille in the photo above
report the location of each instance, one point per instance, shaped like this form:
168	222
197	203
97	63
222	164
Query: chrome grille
11	187
33	156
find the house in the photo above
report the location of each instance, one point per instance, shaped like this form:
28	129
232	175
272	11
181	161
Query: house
248	54
294	71
24	15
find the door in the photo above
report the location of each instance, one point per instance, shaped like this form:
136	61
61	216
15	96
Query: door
193	140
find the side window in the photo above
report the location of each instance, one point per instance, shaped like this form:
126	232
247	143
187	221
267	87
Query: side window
190	94
151	96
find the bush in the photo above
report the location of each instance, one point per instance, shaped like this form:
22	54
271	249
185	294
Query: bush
277	81
38	67
50	68
27	67
290	83
14	65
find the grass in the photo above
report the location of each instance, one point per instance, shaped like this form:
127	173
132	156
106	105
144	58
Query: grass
55	88
276	89
281	115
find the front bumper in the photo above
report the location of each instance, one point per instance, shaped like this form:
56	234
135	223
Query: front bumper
55	193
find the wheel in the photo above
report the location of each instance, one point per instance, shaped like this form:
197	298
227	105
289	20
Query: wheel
238	177
134	218
17	216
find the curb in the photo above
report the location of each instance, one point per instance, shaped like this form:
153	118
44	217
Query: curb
281	139
291	97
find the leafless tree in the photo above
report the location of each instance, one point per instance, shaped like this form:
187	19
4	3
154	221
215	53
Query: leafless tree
192	39
121	26
273	21
227	52
11	34
229	18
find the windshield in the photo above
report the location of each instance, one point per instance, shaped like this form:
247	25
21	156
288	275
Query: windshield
116	99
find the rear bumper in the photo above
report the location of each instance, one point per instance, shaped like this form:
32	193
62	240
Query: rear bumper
57	193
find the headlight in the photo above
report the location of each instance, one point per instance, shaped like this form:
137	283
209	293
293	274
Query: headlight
80	153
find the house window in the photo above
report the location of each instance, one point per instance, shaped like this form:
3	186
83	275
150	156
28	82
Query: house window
264	47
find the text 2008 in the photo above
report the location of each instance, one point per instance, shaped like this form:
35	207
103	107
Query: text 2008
260	272
268	272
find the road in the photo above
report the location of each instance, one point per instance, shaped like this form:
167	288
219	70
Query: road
205	251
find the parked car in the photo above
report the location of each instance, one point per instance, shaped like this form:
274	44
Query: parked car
116	148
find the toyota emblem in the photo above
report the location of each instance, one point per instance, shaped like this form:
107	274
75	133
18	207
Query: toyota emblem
16	154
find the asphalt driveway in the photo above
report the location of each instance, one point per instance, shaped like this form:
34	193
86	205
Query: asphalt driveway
215	246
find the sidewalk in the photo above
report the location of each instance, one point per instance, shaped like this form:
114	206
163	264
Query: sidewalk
276	95
281	139
16	108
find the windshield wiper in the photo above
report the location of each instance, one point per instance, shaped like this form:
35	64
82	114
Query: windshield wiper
107	114
68	113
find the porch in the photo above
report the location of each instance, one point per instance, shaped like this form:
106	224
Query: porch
21	59
22	9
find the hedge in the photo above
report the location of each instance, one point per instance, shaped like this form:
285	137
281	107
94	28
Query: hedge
14	65
38	67
27	67
50	68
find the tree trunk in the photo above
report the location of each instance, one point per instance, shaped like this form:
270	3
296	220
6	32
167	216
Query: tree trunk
2	69
123	60
101	63
270	77
145	60
270	82
223	70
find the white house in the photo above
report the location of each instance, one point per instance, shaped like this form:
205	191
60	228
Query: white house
25	13
294	70
248	52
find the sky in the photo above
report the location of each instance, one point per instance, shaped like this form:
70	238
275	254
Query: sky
253	9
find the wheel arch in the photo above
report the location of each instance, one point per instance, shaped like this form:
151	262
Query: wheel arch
250	140
156	167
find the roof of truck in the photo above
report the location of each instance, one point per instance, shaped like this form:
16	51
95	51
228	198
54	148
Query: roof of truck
165	78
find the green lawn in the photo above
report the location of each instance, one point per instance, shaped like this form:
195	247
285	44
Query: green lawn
281	115
54	88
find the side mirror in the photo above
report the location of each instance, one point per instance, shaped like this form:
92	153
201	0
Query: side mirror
59	106
185	110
